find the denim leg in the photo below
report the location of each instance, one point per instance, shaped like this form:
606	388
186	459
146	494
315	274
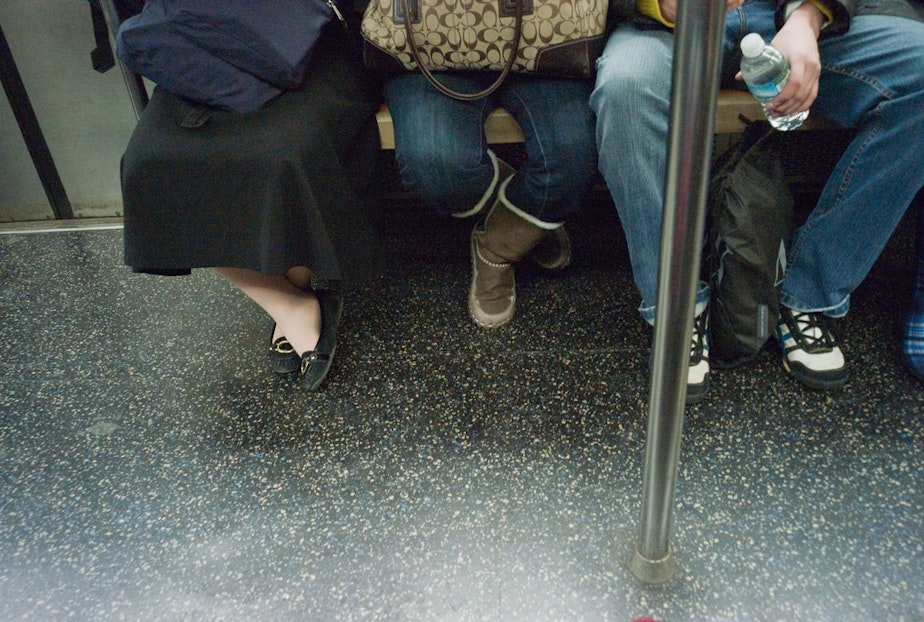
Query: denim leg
913	338
631	99
872	79
752	16
561	156
440	146
441	149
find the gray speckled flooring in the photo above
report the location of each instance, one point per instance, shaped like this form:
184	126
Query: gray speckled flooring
153	468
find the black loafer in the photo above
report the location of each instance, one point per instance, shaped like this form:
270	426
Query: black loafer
283	357
316	363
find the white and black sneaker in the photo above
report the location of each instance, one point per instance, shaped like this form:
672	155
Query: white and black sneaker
698	373
811	353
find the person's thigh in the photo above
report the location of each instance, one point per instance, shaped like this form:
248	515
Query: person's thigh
631	99
440	146
881	58
558	126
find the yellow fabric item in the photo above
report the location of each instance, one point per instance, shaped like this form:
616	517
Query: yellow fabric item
650	8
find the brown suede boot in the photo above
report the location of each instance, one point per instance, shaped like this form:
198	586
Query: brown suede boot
502	172
502	240
554	251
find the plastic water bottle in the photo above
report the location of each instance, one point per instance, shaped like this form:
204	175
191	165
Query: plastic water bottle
765	71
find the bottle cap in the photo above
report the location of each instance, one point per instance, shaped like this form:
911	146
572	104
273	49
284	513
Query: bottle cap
752	45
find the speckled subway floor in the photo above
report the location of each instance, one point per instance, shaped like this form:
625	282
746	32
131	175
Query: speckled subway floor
153	468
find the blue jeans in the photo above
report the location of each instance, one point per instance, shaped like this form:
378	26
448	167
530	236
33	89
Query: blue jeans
872	80
913	338
441	150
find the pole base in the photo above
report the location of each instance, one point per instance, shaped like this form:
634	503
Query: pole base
653	572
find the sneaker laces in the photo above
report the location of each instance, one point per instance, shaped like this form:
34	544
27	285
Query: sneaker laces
699	348
810	331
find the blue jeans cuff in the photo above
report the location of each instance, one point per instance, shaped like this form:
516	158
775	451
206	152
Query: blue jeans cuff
702	302
838	310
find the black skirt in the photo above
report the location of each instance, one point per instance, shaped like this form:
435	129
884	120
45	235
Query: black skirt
291	184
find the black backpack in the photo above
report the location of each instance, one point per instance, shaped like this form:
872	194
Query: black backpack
749	223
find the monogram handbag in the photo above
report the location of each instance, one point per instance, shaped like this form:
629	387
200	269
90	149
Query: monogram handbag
560	38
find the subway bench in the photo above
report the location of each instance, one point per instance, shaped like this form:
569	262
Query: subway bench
500	127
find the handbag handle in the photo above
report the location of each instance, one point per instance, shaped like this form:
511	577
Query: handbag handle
445	90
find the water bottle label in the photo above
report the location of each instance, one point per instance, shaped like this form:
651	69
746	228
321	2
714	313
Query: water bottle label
766	91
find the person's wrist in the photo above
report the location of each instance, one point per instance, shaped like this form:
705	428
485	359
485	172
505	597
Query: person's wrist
813	11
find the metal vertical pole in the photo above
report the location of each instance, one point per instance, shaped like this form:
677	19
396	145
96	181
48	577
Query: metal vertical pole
137	92
695	81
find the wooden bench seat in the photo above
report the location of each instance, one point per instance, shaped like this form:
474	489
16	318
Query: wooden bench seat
501	128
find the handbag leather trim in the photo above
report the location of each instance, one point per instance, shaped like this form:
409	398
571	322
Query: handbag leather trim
508	8
445	90
556	38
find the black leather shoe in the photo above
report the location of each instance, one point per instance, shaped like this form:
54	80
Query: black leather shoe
316	363
283	357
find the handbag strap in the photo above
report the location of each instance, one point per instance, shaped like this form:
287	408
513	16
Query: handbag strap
445	90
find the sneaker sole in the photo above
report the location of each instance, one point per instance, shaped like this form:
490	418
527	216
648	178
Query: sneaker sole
822	381
696	392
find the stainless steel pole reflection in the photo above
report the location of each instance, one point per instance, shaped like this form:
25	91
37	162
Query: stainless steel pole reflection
695	82
137	92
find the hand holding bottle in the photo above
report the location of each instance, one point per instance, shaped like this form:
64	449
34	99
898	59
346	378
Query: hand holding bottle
798	41
766	73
